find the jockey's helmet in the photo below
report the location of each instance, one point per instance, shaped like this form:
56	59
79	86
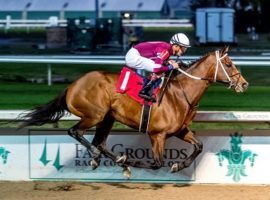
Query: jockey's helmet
180	39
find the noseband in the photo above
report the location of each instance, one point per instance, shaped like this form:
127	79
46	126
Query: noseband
218	63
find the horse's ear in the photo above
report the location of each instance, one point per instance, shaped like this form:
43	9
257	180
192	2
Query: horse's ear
225	50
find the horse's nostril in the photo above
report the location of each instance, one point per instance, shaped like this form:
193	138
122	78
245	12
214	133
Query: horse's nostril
245	85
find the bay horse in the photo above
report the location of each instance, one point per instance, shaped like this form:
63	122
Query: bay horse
94	99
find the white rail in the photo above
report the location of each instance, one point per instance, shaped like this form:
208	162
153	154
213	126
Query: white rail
157	22
54	21
262	61
28	23
201	116
100	59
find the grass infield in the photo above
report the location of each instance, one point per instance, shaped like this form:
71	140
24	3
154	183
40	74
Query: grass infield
217	97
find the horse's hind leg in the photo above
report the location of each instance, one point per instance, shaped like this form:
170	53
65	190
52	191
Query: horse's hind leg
188	136
102	131
77	132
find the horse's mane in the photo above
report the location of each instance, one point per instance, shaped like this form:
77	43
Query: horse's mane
198	61
191	64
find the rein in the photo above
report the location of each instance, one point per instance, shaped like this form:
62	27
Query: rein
218	63
165	86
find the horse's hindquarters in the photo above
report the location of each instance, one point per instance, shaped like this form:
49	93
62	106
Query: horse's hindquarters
89	96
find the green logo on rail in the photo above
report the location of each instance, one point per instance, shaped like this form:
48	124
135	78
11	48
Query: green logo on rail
4	155
44	160
236	158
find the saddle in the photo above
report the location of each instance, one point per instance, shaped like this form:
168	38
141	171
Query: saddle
131	83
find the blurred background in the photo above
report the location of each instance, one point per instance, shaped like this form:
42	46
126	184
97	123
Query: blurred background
112	26
47	44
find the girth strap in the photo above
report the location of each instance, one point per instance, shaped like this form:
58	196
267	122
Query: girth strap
145	116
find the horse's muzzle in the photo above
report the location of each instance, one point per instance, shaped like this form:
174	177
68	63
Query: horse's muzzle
245	86
241	87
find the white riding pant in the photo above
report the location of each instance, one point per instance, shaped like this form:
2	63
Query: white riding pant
136	61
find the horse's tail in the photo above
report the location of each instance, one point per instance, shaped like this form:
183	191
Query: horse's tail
48	113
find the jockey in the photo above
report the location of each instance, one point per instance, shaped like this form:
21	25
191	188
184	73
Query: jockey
150	56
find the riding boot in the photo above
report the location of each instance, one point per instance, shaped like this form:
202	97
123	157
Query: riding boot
146	92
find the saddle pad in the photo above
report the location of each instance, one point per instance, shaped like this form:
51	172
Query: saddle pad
131	83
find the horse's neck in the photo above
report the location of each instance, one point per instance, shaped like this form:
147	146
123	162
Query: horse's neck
194	89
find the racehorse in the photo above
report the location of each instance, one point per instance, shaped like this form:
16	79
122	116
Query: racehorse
94	99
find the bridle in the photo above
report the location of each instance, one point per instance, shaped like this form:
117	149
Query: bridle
214	79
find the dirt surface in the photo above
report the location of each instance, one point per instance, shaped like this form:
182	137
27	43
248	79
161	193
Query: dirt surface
129	191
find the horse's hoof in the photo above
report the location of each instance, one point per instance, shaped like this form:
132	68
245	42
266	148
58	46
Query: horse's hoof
121	159
127	172
94	164
175	168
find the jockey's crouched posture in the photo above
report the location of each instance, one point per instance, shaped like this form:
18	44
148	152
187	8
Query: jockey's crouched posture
150	56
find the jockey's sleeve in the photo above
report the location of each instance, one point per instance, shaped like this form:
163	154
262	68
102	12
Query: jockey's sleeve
162	68
161	56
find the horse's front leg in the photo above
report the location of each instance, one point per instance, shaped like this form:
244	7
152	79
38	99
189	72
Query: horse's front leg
187	135
124	162
158	143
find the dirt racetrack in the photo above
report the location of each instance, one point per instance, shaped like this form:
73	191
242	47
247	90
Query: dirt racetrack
129	191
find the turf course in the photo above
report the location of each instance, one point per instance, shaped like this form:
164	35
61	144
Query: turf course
23	95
